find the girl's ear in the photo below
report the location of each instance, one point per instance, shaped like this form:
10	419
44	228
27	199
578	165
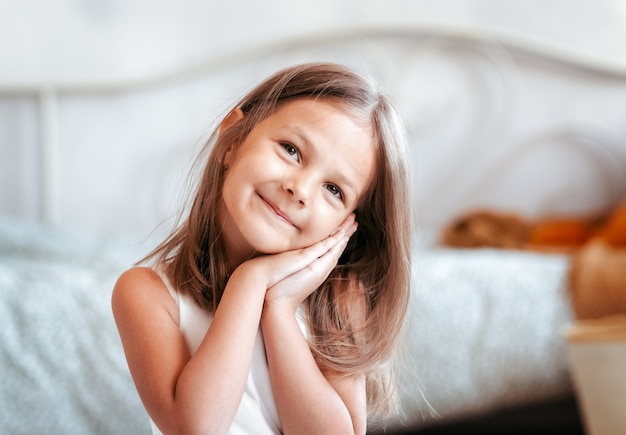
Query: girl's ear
230	119
234	116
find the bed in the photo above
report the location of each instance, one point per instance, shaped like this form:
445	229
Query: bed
493	123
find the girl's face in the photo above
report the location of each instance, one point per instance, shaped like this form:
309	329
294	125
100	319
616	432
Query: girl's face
299	174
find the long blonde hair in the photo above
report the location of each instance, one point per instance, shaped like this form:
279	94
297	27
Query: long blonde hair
376	262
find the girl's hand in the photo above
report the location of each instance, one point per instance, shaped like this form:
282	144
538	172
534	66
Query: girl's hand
300	271
314	265
308	399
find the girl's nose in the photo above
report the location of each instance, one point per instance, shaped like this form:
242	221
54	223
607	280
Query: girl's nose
299	187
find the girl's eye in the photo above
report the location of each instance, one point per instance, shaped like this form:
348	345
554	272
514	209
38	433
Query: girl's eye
290	149
335	191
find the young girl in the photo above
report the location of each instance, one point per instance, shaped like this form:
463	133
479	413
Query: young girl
267	311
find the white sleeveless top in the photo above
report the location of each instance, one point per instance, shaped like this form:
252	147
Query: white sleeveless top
257	412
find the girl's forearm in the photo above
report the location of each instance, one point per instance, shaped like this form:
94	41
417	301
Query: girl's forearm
306	400
210	387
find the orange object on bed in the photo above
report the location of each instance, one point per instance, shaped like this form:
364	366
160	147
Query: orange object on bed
597	275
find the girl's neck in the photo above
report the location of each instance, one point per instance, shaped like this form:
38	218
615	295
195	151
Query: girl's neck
237	251
235	260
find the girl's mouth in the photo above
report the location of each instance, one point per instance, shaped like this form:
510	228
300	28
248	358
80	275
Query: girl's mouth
278	212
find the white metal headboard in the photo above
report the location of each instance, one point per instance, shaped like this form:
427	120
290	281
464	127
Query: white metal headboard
465	96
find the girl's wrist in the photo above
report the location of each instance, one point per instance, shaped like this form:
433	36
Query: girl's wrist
275	308
248	279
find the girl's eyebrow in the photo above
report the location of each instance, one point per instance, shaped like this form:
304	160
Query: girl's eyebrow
298	132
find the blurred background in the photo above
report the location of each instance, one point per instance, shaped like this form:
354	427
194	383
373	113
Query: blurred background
60	57
62	41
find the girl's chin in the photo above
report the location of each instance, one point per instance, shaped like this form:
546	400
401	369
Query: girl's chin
269	249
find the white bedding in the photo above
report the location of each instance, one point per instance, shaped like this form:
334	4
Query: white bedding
484	334
63	367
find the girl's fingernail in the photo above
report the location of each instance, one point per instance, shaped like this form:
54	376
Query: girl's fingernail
353	228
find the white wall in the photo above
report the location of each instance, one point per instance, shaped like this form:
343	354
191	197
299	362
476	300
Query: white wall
75	40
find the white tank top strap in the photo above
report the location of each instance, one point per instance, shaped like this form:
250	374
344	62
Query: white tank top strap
168	284
193	321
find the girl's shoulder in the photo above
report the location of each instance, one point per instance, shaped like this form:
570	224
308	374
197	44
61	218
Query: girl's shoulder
139	280
142	289
140	275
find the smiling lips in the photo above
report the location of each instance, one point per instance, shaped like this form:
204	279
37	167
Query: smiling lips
281	214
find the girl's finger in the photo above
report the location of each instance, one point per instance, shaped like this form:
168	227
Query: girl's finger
325	263
299	285
346	224
295	261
